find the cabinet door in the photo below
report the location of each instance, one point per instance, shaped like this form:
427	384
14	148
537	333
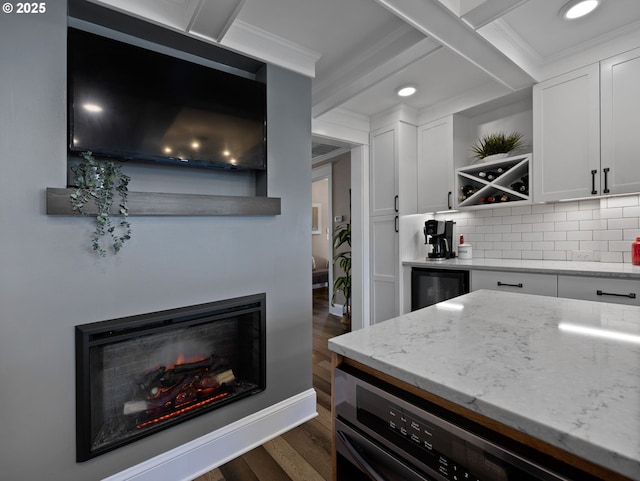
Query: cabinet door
566	136
620	79
435	166
384	268
524	283
383	175
617	291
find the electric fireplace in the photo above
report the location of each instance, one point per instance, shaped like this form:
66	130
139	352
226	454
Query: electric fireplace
141	374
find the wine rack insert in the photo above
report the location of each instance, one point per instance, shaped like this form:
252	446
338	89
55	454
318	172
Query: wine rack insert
497	182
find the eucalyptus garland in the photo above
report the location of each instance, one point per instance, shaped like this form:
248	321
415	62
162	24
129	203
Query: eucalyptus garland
99	182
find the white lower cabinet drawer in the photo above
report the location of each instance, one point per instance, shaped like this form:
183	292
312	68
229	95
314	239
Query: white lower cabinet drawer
525	283
617	291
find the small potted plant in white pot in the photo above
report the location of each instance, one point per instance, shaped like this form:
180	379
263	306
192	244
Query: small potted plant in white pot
497	144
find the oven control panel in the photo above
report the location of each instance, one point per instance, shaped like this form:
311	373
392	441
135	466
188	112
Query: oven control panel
434	445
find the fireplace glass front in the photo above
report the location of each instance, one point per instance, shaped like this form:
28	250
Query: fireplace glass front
141	374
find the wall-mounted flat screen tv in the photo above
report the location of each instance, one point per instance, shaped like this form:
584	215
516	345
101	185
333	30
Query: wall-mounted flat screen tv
130	103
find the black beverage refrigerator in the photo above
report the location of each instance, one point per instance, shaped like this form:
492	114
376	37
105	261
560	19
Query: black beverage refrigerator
430	286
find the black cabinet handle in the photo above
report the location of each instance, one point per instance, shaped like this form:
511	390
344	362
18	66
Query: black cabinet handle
631	295
500	284
395	203
397	226
593	182
449	201
606	181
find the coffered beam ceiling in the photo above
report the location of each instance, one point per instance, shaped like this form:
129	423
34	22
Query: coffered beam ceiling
438	22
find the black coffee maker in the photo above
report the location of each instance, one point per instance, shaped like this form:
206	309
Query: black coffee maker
439	234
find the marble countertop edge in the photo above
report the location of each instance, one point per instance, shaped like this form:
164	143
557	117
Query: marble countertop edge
552	436
591	269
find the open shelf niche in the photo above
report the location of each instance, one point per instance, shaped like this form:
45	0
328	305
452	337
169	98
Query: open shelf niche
497	182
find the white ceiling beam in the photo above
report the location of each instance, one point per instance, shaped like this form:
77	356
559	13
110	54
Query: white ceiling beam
489	11
438	22
367	73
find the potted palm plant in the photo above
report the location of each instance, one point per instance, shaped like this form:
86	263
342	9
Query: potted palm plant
342	283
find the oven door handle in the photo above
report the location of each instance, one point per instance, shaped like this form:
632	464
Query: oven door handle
358	458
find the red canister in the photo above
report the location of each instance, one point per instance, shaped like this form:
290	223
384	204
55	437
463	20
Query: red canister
635	252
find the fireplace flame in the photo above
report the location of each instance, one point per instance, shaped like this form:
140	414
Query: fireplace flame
184	410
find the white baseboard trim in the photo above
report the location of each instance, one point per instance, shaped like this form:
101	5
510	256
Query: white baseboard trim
206	453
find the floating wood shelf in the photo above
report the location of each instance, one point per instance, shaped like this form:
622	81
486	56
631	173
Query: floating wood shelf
158	203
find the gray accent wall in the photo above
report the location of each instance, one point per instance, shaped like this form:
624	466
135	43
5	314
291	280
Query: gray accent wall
50	280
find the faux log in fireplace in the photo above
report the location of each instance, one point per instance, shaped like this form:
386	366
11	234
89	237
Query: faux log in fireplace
141	374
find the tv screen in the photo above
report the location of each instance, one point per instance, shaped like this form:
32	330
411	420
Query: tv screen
130	103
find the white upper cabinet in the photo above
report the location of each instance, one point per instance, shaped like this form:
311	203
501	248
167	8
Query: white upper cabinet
566	136
393	170
384	172
586	127
620	117
435	166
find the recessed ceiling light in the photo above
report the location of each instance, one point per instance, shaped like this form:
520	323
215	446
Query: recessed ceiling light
406	90
578	8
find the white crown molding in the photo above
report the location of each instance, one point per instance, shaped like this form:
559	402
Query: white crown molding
343	125
206	453
249	40
471	98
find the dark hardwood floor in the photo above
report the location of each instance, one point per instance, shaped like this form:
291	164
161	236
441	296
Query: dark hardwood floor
304	453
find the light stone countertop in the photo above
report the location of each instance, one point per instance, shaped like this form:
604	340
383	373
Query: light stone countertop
576	268
517	359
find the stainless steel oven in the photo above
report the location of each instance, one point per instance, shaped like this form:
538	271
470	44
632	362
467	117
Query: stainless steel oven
382	436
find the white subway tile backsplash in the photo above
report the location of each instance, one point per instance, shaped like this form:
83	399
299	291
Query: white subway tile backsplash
580	215
605	226
611	234
593	224
543	246
614	213
502	228
512	219
567	245
625	201
493	237
545	227
630	234
521	227
611	257
533	236
554	255
555	236
512	237
542	208
619	246
555	217
580	235
589	204
512	254
525	209
568	225
533	218
626	223
631	212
